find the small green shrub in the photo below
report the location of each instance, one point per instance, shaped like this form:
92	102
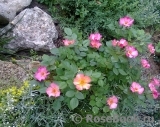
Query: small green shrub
93	15
110	71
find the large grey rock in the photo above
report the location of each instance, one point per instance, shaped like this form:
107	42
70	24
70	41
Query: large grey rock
33	29
9	8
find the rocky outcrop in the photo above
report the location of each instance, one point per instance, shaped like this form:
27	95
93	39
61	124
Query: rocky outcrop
9	8
33	29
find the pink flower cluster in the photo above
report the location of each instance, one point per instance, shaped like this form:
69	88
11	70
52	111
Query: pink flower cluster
82	81
112	102
121	43
145	63
53	90
153	85
151	48
126	21
131	51
67	42
41	73
95	40
136	88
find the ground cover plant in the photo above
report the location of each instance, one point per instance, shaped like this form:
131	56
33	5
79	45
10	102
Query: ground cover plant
10	97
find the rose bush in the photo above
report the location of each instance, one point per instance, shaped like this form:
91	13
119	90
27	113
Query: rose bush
106	75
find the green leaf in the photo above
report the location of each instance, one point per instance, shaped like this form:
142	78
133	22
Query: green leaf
117	65
51	67
68	31
142	97
70	84
109	65
104	100
42	90
76	50
47	83
79	95
121	87
83	54
114	113
139	49
114	59
56	105
83	49
157	49
115	71
122	72
45	57
125	91
89	73
59	71
61	98
134	32
105	109
96	74
74	103
63	77
101	49
70	93
54	51
74	36
92	97
33	83
66	65
70	74
109	44
62	85
101	83
99	104
85	43
111	26
91	56
95	110
93	63
92	103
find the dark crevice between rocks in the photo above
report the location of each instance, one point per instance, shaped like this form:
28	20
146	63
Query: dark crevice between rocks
3	22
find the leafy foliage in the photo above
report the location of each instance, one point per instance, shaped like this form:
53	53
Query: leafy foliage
92	15
110	70
157	47
9	98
